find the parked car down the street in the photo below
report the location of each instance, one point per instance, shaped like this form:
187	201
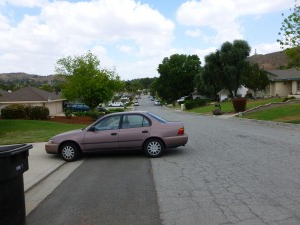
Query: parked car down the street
157	102
136	103
120	131
116	104
77	107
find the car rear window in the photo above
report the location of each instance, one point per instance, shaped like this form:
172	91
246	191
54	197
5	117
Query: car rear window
157	118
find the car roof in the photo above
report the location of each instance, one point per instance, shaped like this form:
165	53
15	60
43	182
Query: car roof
128	112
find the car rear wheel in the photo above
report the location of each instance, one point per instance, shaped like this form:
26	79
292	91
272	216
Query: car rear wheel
69	152
154	148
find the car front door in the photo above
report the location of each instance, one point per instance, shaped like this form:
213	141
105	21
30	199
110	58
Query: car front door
104	135
134	130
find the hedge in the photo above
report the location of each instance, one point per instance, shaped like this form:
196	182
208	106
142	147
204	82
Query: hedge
190	104
19	111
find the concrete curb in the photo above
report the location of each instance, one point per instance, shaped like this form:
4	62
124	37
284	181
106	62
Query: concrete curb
40	177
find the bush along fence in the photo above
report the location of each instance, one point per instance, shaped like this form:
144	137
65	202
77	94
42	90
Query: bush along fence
19	111
191	104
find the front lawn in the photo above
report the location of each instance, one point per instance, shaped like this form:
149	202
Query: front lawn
30	131
227	107
286	113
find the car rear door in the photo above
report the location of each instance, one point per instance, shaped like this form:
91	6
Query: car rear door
134	130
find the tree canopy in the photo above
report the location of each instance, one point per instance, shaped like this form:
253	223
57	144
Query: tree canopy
224	68
255	78
290	29
177	74
85	81
290	36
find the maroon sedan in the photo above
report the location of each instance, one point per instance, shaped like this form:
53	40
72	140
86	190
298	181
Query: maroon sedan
120	131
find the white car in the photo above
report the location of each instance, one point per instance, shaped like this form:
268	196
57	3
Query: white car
181	99
157	102
116	104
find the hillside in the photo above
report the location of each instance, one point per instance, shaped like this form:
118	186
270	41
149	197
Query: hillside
271	61
6	78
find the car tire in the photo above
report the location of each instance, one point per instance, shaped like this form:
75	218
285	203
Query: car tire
69	152
154	148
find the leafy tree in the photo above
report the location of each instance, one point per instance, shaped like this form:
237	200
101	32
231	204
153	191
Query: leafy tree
47	87
293	56
224	68
211	76
290	29
255	78
290	36
85	81
177	74
233	61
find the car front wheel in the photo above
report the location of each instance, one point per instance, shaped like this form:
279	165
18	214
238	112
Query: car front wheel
154	148
69	152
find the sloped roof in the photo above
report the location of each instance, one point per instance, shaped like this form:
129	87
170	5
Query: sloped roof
284	75
28	94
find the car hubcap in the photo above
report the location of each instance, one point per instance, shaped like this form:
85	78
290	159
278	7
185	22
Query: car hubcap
68	152
154	148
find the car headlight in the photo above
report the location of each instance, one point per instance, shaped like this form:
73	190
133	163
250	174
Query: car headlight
51	141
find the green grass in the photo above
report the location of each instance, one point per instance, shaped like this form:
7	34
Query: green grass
287	114
30	131
227	107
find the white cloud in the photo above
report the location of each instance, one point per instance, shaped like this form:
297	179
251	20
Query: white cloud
265	48
194	33
61	28
24	3
222	16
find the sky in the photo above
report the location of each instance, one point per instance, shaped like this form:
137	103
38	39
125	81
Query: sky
131	37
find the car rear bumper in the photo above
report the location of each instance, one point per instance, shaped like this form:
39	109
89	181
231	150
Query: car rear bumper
172	142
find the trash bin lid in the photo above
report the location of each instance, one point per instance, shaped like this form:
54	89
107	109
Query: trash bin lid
7	150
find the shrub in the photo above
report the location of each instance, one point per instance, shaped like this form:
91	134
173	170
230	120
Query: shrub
68	112
116	110
288	98
239	104
93	114
14	111
38	113
190	104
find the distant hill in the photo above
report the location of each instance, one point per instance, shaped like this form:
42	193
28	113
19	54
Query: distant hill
26	78
271	61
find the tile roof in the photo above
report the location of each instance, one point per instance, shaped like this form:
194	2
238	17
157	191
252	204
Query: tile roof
284	75
29	94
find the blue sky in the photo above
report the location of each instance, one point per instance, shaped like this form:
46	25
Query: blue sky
129	36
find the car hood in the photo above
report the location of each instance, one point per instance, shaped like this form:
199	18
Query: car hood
69	133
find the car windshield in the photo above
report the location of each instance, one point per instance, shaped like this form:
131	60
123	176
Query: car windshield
157	118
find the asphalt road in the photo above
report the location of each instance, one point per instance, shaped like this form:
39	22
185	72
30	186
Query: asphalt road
105	189
231	171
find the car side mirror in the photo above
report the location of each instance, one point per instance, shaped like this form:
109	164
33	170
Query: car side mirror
93	128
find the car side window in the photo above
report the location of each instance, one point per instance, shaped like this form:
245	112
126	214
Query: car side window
134	121
109	123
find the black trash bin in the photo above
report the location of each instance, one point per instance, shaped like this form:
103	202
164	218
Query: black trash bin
13	163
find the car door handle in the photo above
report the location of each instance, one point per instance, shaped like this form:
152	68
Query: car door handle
113	134
145	131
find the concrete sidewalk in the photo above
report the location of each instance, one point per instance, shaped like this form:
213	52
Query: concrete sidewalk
41	165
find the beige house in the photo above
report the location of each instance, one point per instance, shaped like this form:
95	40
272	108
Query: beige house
34	97
284	82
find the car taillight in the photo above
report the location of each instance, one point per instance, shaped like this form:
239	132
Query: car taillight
181	131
